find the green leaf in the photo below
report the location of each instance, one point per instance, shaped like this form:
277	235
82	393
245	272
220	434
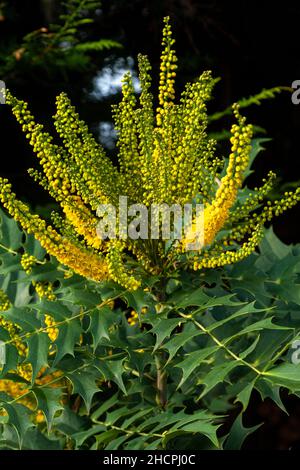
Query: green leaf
200	422
138	299
68	336
69	422
11	235
8	353
172	286
268	390
101	319
84	384
245	310
256	148
83	297
216	375
104	437
286	375
35	440
106	405
178	341
24	318
48	401
112	370
139	360
138	443
97	45
33	247
44	272
9	262
57	309
271	246
114	416
136	416
115	444
244	395
82	436
38	347
164	328
200	427
250	348
265	324
198	298
18	417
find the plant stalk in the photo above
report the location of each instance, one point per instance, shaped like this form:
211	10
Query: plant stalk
161	382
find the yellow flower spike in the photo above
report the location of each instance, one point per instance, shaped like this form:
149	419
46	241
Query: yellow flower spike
195	152
229	257
167	69
86	156
116	267
253	200
216	213
128	144
80	260
57	181
82	220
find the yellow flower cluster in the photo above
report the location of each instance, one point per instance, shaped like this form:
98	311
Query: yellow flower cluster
124	116
85	223
116	267
13	331
52	330
4	301
88	168
15	390
9	326
133	318
194	166
78	258
217	212
167	69
27	262
228	256
164	156
20	391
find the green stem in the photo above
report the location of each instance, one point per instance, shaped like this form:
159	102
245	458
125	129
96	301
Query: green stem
160	359
161	381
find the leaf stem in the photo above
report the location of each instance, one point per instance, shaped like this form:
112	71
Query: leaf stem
222	345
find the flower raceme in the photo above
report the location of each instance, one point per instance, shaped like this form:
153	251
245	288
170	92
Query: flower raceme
165	157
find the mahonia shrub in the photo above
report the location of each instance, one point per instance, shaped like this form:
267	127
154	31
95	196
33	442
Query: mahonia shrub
143	344
165	156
